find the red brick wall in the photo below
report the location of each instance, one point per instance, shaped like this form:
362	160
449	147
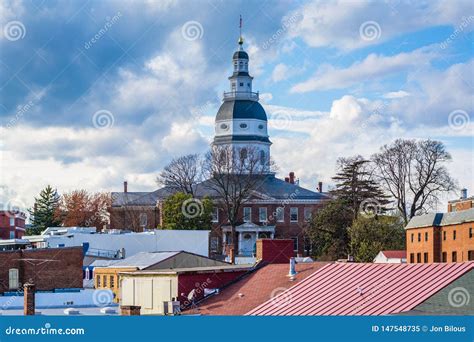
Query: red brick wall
200	281
49	269
275	251
5	227
461	205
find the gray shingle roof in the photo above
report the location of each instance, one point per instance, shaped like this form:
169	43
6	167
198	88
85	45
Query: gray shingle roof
269	186
241	109
441	219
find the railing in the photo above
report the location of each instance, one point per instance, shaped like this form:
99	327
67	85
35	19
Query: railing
104	253
240	95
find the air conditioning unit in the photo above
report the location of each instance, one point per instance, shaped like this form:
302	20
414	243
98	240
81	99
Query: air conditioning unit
171	308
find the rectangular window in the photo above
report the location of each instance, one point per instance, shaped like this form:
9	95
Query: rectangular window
454	257
143	220
308	213
241	84
12	222
13	281
419	237
470	255
412	237
294	214
280	214
247	214
104	280
215	215
295	244
12	234
308	246
111	280
444	235
98	281
412	257
426	236
470	233
418	257
454	235
262	214
214	244
445	257
425	258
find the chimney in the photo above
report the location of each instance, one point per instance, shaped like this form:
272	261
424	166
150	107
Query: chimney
29	299
287	179
320	186
292	267
463	193
125	186
130	310
292	177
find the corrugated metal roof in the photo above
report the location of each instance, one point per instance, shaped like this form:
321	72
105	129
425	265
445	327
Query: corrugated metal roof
363	289
441	219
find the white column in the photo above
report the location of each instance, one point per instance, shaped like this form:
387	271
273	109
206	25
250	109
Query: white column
272	235
240	242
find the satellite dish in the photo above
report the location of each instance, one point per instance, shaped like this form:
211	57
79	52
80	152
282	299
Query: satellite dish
191	295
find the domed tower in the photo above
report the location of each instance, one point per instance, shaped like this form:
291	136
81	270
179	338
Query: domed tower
241	122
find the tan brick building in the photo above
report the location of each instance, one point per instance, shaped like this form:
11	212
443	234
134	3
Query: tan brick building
441	237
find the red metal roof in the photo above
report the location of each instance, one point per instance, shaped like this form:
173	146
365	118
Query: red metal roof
395	254
255	289
364	289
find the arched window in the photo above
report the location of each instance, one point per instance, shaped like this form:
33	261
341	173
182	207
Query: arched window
243	154
262	158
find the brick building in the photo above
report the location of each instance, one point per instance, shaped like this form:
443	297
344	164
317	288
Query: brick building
48	269
276	209
12	225
462	203
441	237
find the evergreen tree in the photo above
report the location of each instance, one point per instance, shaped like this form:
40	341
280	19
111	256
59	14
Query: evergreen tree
355	187
182	211
44	213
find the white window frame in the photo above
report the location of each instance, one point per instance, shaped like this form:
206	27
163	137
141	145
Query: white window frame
291	214
249	214
282	210
13	279
260	212
215	215
143	218
307	210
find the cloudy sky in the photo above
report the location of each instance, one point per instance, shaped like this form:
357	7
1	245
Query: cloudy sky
96	92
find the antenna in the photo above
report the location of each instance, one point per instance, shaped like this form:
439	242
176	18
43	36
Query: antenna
241	40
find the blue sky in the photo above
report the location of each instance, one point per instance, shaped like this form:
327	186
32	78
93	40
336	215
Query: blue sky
336	79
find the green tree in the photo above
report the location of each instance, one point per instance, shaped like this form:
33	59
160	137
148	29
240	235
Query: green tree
370	235
44	213
182	211
328	231
355	186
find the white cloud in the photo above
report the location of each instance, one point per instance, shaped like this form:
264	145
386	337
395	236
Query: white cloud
337	23
372	67
396	94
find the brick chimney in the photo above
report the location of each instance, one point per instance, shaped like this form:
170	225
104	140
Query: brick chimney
130	310
292	177
29	299
125	186
320	186
275	251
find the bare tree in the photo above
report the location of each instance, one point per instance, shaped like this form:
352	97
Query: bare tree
414	173
234	173
182	173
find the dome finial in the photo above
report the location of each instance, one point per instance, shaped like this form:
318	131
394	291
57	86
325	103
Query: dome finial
241	39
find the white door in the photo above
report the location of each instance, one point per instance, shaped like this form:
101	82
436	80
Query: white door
13	280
